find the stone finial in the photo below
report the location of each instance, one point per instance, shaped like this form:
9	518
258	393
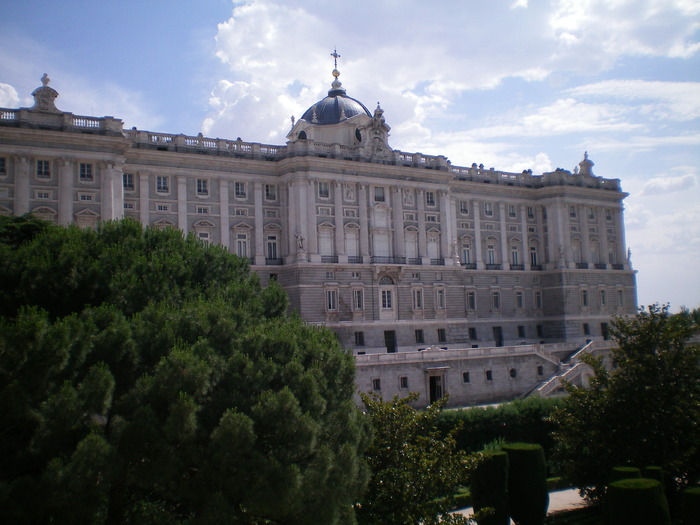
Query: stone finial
586	165
44	97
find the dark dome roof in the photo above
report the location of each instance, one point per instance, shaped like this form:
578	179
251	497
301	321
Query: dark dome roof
335	107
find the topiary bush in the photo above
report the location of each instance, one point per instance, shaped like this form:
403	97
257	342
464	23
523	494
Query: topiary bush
489	488
637	500
691	506
618	473
528	498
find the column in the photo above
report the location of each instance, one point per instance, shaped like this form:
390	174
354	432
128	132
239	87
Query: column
477	235
504	236
182	204
22	177
311	228
397	211
422	234
452	224
525	244
585	236
339	223
258	221
65	191
602	238
107	191
552	236
144	198
224	219
292	217
564	235
364	226
118	185
446	232
621	243
539	224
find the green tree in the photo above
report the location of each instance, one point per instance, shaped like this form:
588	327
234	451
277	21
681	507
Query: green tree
148	378
415	469
644	412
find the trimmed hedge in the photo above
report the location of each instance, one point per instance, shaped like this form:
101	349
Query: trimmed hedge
619	473
528	498
489	488
691	505
637	500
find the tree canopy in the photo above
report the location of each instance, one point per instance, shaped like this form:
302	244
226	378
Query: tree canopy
646	411
148	378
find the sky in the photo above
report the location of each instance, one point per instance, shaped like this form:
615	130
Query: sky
514	84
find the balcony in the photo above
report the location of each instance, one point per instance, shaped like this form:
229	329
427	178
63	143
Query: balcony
469	266
274	262
329	258
600	266
581	266
354	259
388	260
536	267
437	262
618	266
415	260
494	266
517	266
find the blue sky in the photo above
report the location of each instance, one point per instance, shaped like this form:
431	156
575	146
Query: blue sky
515	85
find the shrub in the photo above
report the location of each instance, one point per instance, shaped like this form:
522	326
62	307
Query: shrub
619	473
489	488
635	501
528	498
656	473
691	505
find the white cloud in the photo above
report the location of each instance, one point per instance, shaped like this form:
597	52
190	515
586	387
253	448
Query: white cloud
8	96
670	184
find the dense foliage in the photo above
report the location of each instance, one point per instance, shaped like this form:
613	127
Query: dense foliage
489	488
528	498
415	469
527	420
645	412
148	378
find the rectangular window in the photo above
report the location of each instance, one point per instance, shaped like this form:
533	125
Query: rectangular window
584	298
491	253
162	184
162	207
417	299
359	339
128	181
128	205
586	329
496	300
515	254
540	330
519	300
270	192
358	299
379	194
591	214
85	171
608	215
331	300
271	213
376	384
242	244
530	212
43	169
572	212
440	299
202	210
42	195
471	300
356	275
430	198
442	335
464	207
538	299
420	338
465	377
409	216
472	334
603	297
431	217
540	370
203	236
521	331
466	253
488	209
202	187
386	300
620	298
239	190
3	168
403	382
489	375
240	212
511	211
85	197
272	247
330	275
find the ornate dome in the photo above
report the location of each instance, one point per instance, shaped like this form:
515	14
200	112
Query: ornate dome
336	107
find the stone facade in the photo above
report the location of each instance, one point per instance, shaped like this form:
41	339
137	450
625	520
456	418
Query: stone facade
394	251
